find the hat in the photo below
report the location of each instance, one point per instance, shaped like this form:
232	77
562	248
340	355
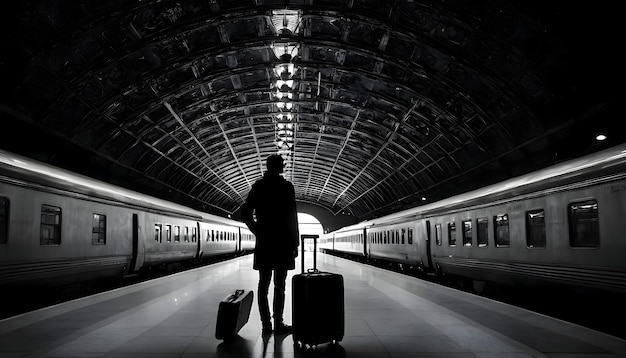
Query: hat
275	163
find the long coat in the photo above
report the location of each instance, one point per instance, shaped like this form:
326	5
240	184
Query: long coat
272	202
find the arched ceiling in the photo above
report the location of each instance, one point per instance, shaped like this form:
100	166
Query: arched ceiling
374	104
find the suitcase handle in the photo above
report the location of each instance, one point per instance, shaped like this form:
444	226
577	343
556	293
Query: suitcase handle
314	237
233	297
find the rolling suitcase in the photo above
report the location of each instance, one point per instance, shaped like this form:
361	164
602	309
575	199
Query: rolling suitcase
233	313
317	304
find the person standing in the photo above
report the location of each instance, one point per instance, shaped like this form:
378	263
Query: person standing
270	213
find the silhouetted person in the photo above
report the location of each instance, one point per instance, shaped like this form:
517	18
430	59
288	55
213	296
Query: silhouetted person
270	213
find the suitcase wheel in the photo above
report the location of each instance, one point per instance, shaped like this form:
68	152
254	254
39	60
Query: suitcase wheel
301	345
304	346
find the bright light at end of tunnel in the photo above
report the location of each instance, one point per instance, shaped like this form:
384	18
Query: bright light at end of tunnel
309	224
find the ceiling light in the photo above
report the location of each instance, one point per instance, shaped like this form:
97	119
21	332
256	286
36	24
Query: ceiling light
601	137
280	94
286	21
284	116
281	83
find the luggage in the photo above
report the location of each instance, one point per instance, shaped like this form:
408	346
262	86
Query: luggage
317	304
233	313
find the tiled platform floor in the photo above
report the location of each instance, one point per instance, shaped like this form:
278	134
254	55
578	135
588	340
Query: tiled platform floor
387	315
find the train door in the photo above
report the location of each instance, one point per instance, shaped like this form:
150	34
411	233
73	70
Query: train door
238	248
135	239
198	241
428	245
364	242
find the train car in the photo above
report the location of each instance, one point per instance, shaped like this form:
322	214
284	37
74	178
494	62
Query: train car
248	240
326	242
560	226
350	240
58	228
393	241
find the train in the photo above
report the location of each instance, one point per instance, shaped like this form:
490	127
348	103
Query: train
59	229
561	227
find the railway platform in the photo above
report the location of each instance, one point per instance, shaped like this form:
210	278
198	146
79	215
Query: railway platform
386	315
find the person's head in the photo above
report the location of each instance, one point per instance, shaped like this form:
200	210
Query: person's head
275	163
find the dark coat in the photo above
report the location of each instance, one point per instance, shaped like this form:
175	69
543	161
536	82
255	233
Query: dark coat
272	201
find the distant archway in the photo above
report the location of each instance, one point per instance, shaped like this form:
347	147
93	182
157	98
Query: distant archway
309	224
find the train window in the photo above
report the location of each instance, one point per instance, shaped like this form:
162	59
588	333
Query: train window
50	225
438	234
584	228
212	235
158	228
501	230
482	231
4	220
194	235
467	232
176	233
99	229
535	228
410	236
403	234
168	233
452	234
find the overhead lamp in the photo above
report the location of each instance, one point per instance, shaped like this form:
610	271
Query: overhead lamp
281	94
284	116
285	51
284	105
283	144
601	136
284	71
286	21
280	84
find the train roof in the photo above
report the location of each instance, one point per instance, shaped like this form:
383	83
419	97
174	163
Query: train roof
607	162
18	167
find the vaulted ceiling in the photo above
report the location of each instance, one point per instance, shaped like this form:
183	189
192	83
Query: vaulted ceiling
375	105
